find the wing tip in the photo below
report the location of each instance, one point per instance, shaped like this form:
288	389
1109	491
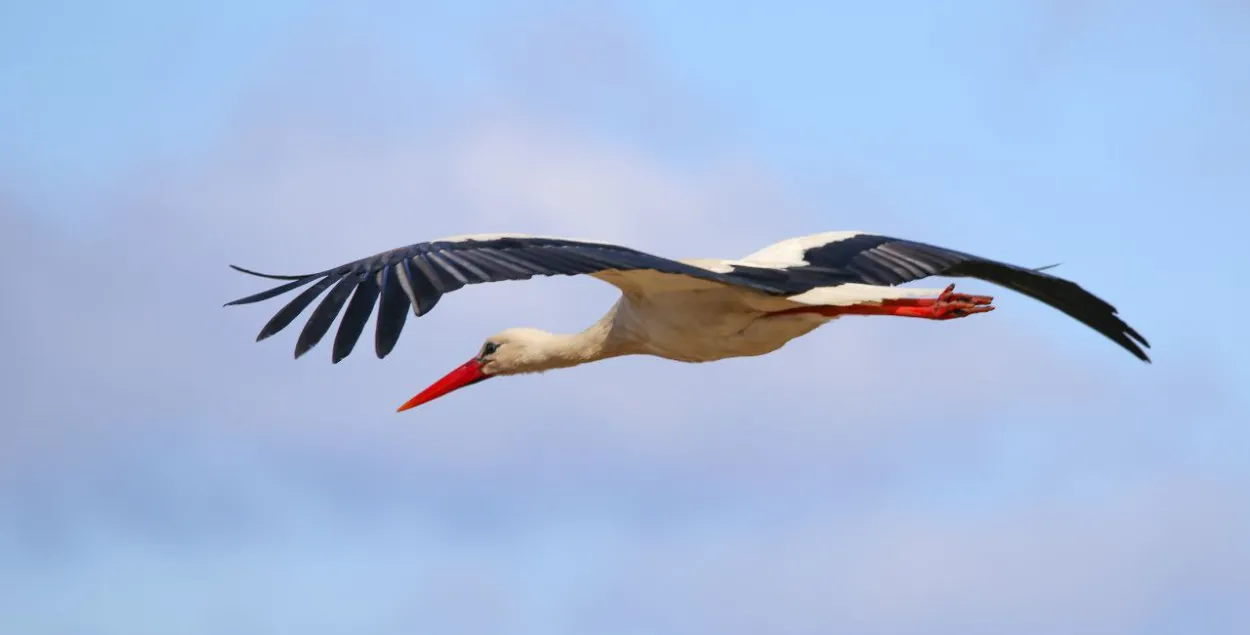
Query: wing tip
1132	341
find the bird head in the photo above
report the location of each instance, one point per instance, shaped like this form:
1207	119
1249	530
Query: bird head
510	352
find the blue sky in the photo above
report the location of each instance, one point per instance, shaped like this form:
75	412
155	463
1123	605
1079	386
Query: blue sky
160	472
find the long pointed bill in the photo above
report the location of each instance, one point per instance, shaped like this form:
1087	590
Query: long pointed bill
467	374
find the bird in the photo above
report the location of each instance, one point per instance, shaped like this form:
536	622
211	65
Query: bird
687	310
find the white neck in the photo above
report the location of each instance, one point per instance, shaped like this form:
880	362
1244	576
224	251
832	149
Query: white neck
561	350
548	351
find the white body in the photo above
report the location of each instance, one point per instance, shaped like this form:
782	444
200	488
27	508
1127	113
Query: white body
690	320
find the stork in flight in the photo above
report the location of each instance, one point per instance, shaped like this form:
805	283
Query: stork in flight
685	310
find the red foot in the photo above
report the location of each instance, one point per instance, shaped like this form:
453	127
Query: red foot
947	306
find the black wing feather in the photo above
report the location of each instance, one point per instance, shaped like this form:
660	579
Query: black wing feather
392	312
292	310
323	316
355	318
276	291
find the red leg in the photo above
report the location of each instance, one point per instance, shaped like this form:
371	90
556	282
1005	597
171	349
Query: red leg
947	306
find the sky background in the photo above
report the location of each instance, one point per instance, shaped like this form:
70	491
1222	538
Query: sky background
161	473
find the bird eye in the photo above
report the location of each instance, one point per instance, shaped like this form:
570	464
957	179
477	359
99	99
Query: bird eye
489	348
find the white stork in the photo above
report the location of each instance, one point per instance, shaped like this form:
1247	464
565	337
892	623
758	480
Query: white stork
684	310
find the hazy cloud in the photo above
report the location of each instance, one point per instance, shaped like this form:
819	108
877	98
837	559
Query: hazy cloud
159	471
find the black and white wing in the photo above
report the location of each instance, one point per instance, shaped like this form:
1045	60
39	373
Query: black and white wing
834	258
415	277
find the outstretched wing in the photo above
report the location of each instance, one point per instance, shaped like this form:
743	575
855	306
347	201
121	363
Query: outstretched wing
833	258
416	277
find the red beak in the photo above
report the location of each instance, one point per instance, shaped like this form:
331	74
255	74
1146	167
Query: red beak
467	374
